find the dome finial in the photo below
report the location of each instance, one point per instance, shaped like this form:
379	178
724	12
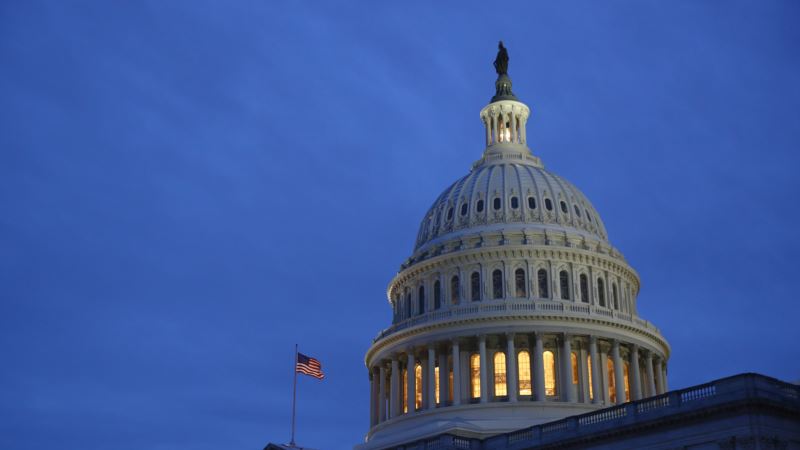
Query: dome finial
503	83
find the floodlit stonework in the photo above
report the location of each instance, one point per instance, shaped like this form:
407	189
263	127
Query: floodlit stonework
513	310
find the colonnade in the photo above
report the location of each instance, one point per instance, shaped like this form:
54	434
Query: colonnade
513	367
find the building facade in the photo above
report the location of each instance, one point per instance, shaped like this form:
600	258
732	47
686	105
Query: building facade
514	309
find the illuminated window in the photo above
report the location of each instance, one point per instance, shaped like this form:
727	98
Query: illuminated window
625	369
531	203
437	294
436	383
514	203
519	282
589	365
541	275
563	278
584	281
418	386
421	300
479	206
612	385
614	295
549	373
601	292
497	284
573	359
475	375
524	371
450	380
475	286
405	390
500	387
454	287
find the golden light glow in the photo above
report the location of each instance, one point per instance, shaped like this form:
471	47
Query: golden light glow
475	374
500	387
405	390
626	369
573	359
549	373
524	370
418	386
450	383
589	365
436	383
612	383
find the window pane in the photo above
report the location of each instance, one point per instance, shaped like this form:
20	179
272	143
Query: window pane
584	288
548	204
479	206
601	292
573	359
497	284
454	288
436	383
531	203
524	371
564	279
500	388
437	295
497	203
418	386
421	300
475	375
405	390
589	365
563	207
612	382
514	202
475	282
549	373
543	289
519	281
625	370
463	209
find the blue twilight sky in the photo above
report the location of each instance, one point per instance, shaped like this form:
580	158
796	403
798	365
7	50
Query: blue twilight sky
189	188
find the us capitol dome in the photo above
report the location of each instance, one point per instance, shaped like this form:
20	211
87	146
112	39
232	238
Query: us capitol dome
514	309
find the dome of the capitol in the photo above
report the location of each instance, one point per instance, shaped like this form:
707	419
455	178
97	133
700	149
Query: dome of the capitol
513	309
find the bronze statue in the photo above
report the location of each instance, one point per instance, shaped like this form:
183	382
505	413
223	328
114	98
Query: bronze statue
501	62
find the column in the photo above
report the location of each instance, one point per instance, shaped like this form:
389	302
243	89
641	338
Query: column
648	364
566	350
584	375
488	122
538	369
522	121
395	405
484	382
619	375
495	131
411	390
456	374
636	379
597	386
511	368
512	122
373	397
382	394
444	371
431	377
664	375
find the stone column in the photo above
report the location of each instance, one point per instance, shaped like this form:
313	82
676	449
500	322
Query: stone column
487	121
619	375
484	377
636	379
373	397
411	390
431	377
597	386
382	394
566	349
538	369
511	368
456	374
444	379
648	364
395	405
584	375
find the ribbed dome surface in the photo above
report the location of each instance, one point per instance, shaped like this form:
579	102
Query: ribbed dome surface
508	196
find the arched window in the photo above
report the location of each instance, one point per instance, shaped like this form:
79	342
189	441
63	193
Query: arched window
418	386
514	203
454	288
563	278
500	387
601	292
614	295
531	203
612	382
584	288
524	371
626	367
548	204
589	365
564	207
450	213
479	206
577	211
497	203
475	286
475	375
405	390
421	300
464	209
573	359
408	305
437	294
549	373
497	284
542	278
519	283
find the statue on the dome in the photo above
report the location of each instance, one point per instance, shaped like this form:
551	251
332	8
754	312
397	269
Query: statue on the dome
501	62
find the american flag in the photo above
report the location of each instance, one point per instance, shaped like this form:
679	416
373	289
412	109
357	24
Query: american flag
309	366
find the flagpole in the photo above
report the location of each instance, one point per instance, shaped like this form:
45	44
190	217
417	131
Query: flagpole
294	393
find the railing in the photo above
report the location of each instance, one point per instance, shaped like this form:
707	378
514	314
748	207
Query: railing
496	307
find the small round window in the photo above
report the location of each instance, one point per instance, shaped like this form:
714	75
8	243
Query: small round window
577	211
564	207
514	202
548	204
531	203
496	203
450	213
479	206
463	209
